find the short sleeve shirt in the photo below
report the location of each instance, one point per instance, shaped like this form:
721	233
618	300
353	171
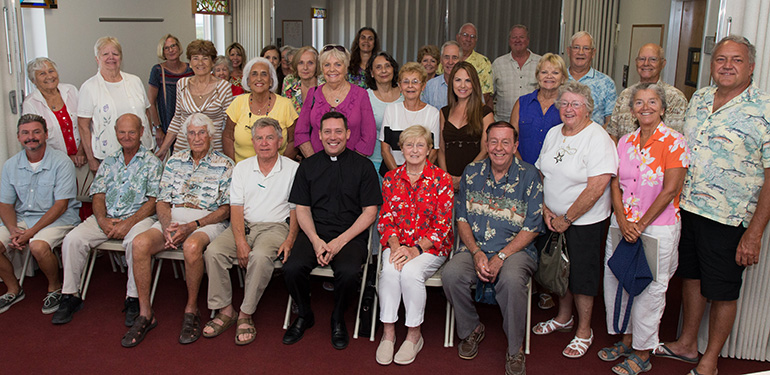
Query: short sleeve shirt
568	161
33	192
240	113
397	119
206	185
603	93
435	92
623	122
127	187
512	81
641	170
336	190
729	150
265	198
422	210
484	69
498	210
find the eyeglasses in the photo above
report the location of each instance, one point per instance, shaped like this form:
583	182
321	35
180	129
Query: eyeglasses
651	60
566	104
168	48
581	48
466	35
330	47
415	82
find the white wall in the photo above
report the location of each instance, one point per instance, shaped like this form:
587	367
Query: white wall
296	10
634	12
74	27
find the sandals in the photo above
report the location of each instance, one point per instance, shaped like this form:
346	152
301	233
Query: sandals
241	331
545	301
191	328
612	353
227	322
136	334
664	351
644	366
550	325
579	345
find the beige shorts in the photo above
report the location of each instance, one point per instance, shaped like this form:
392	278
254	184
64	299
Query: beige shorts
184	215
53	236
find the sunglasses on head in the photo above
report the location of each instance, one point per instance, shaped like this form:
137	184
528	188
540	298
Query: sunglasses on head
330	47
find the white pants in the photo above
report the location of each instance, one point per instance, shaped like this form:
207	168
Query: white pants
648	307
78	243
409	283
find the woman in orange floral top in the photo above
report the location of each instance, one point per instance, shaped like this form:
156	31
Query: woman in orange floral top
416	228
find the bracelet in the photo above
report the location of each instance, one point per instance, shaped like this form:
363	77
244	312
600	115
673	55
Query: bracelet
418	247
198	223
474	252
566	219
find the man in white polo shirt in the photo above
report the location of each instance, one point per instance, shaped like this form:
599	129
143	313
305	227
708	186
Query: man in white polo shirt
263	226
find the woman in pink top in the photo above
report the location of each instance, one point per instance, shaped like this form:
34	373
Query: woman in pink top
645	200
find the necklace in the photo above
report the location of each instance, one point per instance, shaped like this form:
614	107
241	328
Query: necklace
202	89
413	173
264	108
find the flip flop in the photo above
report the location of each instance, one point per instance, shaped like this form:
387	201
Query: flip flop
668	353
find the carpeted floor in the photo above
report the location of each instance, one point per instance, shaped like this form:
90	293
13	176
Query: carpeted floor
91	342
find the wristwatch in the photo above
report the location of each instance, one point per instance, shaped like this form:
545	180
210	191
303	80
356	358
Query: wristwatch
502	256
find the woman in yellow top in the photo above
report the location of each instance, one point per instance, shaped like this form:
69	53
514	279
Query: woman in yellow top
261	80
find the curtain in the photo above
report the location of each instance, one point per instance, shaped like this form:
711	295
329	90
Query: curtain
251	25
599	18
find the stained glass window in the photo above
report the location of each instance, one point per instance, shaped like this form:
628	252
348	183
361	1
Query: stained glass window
211	6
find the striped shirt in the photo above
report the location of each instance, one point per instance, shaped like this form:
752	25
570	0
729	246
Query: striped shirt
214	107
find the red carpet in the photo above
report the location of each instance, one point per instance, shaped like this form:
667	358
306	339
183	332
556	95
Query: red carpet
91	342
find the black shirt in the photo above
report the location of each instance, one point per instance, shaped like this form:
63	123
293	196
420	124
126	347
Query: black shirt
336	191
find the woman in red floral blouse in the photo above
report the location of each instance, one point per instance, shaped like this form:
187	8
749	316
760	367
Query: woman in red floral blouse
416	228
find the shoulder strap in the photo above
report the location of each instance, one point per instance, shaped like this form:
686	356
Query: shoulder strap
163	75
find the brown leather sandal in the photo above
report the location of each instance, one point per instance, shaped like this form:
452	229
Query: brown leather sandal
191	328
242	331
227	322
136	334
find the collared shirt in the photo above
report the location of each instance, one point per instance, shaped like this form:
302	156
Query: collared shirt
729	150
265	198
206	185
498	210
33	192
484	69
336	190
127	187
512	81
534	125
602	91
435	92
411	212
641	171
623	122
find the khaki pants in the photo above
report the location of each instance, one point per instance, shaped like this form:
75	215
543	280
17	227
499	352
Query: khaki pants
78	244
264	239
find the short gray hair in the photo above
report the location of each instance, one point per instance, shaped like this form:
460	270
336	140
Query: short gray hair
581	34
468	24
267	122
450	43
105	40
38	64
247	73
221	60
199	119
519	26
336	53
740	40
577	88
648	86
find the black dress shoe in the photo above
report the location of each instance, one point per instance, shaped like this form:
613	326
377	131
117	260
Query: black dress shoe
339	335
297	329
68	306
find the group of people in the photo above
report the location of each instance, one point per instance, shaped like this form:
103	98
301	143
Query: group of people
501	153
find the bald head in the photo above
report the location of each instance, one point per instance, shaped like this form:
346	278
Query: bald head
650	63
129	129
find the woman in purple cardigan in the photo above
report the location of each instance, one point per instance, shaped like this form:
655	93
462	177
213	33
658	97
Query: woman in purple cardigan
337	94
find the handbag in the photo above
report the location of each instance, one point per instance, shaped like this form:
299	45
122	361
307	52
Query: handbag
553	267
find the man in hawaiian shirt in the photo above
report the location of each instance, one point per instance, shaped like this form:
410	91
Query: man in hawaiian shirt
725	200
581	54
123	194
499	215
192	207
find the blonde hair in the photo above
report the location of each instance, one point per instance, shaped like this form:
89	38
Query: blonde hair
105	40
413	67
162	44
416	131
554	60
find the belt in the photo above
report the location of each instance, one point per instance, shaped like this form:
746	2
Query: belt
187	205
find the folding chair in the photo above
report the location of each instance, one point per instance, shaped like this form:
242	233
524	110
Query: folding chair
113	248
326	271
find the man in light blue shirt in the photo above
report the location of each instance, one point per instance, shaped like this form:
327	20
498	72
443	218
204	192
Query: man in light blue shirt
435	92
581	54
37	206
